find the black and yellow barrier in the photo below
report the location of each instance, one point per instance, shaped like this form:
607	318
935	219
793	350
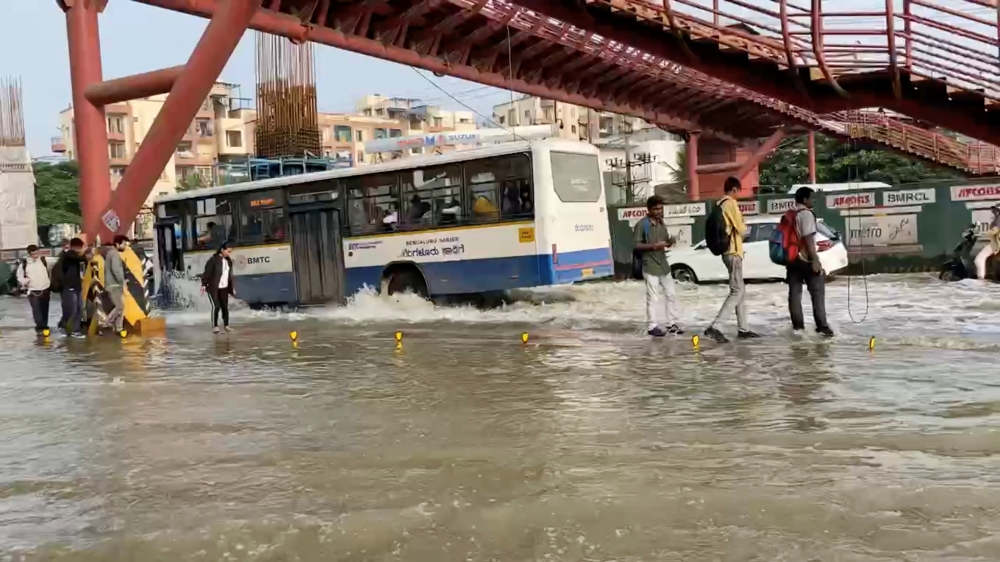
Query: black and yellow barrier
136	297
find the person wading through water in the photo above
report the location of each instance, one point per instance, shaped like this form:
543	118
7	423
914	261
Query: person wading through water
114	283
33	277
806	268
217	282
651	241
732	257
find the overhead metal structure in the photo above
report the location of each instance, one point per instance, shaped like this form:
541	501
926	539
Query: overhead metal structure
732	74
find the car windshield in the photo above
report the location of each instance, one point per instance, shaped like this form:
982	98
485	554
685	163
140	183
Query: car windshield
825	230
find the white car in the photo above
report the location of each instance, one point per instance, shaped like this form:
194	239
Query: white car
697	264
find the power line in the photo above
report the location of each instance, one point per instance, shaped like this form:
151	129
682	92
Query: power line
463	104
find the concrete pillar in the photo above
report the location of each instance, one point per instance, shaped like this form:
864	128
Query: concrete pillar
692	165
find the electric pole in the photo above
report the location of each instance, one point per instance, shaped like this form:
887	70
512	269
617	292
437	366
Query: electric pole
627	164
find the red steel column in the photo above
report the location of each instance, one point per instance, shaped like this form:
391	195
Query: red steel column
812	157
692	166
192	86
91	142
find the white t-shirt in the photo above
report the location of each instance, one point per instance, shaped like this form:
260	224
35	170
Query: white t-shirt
224	280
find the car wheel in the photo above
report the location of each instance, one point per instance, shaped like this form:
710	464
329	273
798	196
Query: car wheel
684	274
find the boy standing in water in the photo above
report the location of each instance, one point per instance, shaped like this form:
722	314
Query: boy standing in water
651	240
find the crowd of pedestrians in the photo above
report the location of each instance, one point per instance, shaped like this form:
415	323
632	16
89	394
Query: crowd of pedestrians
652	240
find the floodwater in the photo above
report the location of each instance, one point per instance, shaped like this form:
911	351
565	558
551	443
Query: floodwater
589	443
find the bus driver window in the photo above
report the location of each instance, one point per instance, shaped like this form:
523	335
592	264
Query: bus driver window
213	224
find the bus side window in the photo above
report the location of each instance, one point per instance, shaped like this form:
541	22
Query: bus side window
431	196
499	188
482	190
373	203
517	199
262	218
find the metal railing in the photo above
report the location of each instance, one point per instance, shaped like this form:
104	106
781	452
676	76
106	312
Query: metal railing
954	40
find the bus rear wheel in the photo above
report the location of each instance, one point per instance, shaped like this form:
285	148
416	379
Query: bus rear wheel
404	280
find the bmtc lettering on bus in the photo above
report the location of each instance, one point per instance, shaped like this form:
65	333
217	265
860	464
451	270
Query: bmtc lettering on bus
258	260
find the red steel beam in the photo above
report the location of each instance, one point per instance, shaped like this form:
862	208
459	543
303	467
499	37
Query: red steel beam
133	87
229	21
762	153
288	26
89	121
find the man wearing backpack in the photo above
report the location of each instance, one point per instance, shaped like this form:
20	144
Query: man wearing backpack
33	277
651	241
806	267
724	234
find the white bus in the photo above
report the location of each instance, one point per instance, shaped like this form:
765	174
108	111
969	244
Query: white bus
519	214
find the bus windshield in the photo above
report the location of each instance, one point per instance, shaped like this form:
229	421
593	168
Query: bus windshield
576	177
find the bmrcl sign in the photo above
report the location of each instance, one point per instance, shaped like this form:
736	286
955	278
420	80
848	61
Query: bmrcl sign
909	197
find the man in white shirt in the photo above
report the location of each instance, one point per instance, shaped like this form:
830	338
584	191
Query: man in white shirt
33	277
217	282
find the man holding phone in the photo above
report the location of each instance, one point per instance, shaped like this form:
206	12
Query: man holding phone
651	242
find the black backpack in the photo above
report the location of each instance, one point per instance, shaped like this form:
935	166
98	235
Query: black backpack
716	237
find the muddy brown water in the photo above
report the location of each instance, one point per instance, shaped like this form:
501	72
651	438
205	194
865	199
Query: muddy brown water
590	443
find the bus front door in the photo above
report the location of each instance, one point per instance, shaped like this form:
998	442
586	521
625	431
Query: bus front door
317	256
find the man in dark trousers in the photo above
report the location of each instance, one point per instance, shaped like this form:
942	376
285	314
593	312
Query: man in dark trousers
72	265
33	277
807	268
217	282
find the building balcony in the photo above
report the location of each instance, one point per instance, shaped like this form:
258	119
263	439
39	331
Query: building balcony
58	146
119	160
185	158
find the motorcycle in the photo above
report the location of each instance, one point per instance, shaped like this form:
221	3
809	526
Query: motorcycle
962	264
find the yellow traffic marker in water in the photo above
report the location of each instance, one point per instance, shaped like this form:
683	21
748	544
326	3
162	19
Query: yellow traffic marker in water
294	335
524	337
871	344
695	340
123	334
399	337
46	333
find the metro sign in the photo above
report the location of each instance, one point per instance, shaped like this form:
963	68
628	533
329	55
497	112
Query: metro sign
749	207
850	201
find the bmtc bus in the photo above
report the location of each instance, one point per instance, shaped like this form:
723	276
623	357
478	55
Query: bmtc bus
513	215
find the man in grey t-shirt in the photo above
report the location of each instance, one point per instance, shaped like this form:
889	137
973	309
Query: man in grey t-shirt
807	268
651	240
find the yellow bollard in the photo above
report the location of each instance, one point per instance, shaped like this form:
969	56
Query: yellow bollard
695	340
123	334
294	335
399	337
524	337
871	344
46	333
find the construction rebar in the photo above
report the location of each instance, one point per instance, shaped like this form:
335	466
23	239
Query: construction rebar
287	122
11	113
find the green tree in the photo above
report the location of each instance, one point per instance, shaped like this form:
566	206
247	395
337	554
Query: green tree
190	182
57	193
839	162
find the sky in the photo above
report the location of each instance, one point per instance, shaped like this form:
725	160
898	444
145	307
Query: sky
138	38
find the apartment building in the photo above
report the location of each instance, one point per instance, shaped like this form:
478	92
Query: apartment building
421	119
221	130
575	122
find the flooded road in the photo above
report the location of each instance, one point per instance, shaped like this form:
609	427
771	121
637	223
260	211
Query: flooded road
590	443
